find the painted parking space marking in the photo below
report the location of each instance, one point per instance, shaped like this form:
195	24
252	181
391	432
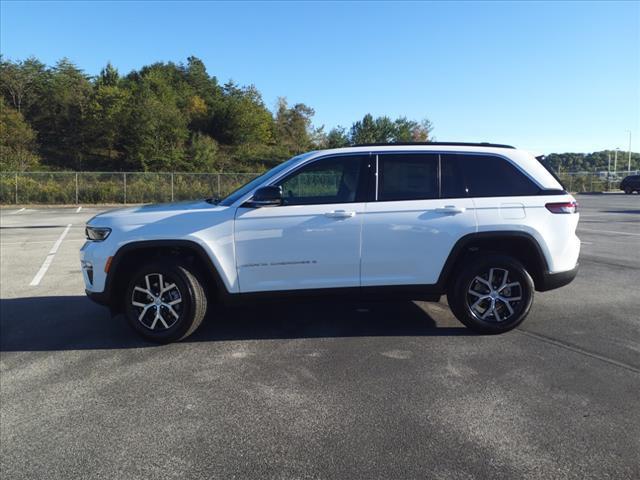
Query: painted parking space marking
78	210
79	240
47	261
17	211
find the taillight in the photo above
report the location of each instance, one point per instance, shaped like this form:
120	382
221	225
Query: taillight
564	207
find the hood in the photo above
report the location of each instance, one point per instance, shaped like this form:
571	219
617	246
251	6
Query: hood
151	213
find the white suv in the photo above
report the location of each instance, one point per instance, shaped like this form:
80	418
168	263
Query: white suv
484	224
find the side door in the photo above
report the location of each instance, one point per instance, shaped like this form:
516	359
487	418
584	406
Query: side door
313	239
410	227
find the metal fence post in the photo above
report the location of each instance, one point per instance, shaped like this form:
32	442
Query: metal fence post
16	188
76	188
591	184
570	182
218	185
125	187
172	186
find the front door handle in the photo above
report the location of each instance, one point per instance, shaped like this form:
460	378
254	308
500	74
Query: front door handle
339	214
451	209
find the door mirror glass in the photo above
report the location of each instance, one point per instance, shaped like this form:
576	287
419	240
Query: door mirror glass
270	196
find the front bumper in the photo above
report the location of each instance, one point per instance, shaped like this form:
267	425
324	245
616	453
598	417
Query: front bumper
551	281
101	298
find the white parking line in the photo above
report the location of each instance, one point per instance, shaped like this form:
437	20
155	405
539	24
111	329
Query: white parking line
78	210
608	231
39	241
49	259
17	211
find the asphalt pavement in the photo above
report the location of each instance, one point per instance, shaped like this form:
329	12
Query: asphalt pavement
327	389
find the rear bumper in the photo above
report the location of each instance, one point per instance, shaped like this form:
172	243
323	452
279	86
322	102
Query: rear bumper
551	281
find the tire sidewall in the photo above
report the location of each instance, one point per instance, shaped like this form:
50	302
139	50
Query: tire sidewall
187	293
458	299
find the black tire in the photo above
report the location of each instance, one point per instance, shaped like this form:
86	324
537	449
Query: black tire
628	191
469	278
186	298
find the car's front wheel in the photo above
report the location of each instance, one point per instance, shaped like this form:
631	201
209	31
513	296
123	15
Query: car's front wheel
165	302
491	294
628	190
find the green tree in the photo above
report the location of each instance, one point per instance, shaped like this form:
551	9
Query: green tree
106	119
61	121
108	77
336	138
22	83
203	154
364	131
157	127
242	117
293	128
17	141
406	130
173	116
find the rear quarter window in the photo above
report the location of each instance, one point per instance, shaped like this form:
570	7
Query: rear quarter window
483	176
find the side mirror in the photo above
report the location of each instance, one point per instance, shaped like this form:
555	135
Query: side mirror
270	196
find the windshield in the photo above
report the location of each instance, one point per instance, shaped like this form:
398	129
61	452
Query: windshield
247	187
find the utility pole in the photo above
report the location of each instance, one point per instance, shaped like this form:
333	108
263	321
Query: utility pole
615	160
609	164
629	160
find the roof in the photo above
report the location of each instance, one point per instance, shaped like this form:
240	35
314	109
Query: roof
435	144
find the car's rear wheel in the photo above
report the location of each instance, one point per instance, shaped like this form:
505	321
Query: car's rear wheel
165	302
628	190
491	294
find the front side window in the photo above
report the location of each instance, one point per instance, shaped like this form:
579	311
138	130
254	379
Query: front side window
482	176
329	180
246	188
407	177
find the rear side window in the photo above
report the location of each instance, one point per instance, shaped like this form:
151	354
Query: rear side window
483	176
407	177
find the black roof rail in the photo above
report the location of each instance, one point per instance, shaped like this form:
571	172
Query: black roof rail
445	144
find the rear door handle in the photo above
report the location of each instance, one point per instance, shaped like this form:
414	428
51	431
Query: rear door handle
451	209
339	214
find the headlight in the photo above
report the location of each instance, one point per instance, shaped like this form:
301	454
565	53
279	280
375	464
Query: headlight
97	234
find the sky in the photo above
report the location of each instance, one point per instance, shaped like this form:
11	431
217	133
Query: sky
547	77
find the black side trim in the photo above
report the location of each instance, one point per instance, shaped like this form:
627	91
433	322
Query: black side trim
116	265
551	281
464	244
551	191
99	297
428	293
544	281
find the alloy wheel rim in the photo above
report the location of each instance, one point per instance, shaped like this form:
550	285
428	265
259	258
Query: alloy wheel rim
158	302
494	296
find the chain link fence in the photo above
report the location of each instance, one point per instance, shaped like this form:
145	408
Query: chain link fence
115	187
599	181
147	187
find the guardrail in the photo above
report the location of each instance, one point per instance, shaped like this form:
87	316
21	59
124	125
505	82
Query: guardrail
150	187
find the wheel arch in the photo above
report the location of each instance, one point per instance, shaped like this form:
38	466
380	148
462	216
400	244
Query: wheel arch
520	245
131	256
